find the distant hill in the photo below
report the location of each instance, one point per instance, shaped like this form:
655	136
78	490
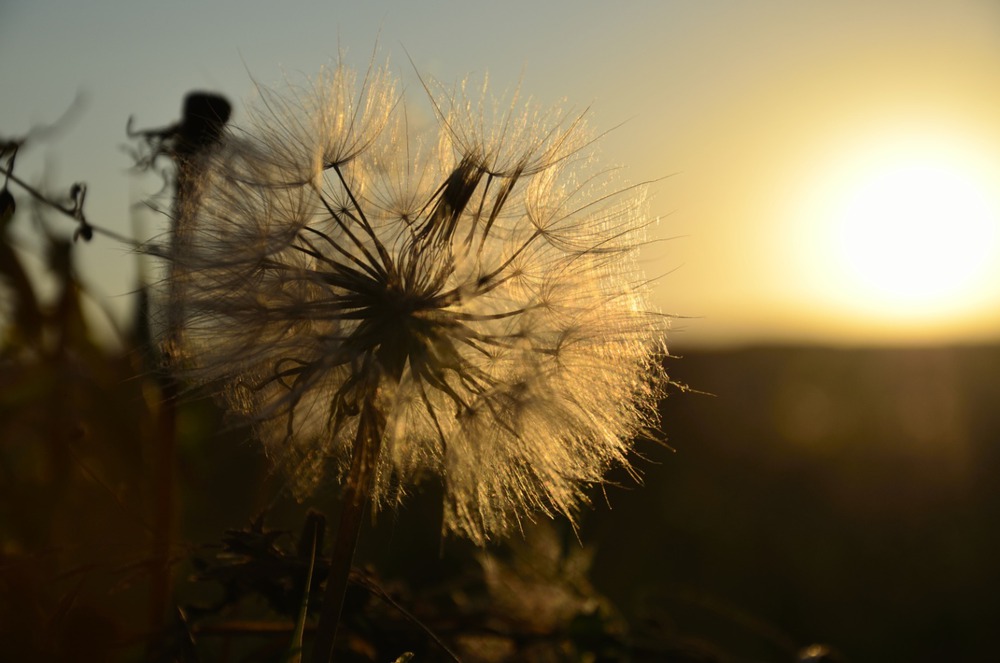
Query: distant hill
841	496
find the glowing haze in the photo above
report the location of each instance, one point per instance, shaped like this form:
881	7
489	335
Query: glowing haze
836	165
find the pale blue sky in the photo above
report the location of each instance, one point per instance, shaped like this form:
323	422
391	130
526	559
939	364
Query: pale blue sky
748	101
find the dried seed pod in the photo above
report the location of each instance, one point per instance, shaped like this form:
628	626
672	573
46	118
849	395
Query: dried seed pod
204	117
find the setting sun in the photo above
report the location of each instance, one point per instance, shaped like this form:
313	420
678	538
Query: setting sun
903	230
916	234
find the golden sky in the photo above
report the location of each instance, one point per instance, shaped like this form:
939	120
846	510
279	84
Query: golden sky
834	167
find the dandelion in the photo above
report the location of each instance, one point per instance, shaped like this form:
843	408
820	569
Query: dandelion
387	306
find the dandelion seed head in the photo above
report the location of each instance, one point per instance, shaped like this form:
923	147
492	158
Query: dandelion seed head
478	287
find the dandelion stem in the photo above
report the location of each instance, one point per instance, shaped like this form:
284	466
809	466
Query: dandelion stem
356	492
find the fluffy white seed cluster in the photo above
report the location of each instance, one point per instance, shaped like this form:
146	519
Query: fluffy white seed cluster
476	283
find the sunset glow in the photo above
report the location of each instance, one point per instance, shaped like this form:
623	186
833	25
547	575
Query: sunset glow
822	172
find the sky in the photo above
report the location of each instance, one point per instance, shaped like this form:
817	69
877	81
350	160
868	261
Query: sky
824	172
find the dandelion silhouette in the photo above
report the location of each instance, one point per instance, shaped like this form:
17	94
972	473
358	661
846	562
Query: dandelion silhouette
387	306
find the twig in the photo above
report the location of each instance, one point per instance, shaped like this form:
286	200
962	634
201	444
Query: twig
78	193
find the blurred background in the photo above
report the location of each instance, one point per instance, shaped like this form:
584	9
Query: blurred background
826	179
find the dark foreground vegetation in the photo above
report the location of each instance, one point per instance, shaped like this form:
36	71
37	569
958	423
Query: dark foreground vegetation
846	497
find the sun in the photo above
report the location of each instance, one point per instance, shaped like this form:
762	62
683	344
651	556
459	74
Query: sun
904	229
915	233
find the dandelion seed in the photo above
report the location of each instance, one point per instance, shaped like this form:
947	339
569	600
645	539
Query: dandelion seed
463	306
